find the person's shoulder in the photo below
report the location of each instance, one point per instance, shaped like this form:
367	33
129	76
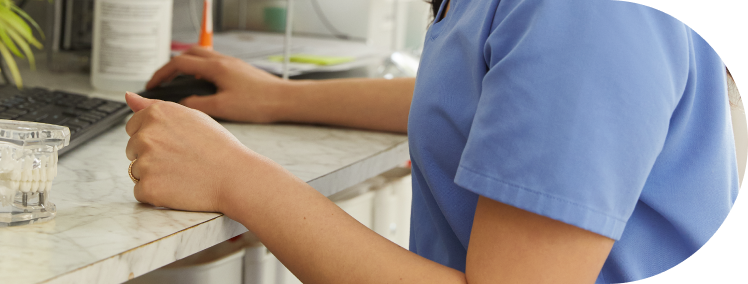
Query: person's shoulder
609	9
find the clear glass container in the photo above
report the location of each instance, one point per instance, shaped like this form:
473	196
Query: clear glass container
28	164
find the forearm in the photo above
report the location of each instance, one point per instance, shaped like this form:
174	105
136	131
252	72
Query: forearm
317	240
376	104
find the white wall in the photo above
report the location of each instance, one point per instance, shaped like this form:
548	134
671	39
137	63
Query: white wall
373	21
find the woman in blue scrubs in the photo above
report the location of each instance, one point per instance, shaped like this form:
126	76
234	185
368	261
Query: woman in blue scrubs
552	141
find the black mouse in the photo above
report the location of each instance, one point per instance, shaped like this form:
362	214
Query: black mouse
181	87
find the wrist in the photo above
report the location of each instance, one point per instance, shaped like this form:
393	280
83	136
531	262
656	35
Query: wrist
233	190
249	185
289	95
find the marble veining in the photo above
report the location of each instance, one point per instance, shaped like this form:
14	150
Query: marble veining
103	235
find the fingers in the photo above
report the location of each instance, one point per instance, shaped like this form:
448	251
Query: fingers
138	192
185	63
141	192
138	185
134	147
135	122
207	104
153	111
136	102
197	50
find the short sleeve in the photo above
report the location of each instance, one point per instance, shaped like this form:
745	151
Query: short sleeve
574	108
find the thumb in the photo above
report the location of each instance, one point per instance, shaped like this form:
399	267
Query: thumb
206	104
136	102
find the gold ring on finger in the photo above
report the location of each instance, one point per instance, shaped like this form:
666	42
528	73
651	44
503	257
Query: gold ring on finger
129	171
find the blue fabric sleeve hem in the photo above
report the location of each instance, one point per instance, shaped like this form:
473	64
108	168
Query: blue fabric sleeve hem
540	203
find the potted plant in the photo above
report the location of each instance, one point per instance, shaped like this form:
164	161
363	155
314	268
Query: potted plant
16	38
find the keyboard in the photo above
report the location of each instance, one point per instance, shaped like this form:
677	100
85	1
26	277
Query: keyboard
86	117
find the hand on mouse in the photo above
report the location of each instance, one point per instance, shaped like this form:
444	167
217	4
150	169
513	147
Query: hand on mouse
245	93
186	160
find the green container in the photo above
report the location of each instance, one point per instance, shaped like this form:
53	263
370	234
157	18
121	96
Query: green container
274	18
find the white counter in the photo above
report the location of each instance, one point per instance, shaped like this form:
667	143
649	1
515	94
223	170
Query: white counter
103	235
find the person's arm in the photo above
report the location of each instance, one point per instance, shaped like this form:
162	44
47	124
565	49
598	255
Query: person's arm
320	243
376	104
247	94
316	239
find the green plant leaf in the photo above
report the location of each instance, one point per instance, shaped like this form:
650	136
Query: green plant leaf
14	20
9	43
16	33
11	65
28	19
16	23
25	47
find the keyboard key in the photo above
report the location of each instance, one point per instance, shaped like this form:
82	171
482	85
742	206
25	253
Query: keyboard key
110	107
68	100
89	118
41	113
33	117
31	106
70	96
57	119
9	103
97	114
43	109
73	112
47	99
65	103
78	123
70	126
16	112
90	104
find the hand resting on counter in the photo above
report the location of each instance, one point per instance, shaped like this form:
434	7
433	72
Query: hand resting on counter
185	159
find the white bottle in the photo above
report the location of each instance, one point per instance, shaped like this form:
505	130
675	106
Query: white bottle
131	40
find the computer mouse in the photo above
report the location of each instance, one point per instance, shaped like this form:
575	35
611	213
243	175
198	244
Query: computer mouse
181	87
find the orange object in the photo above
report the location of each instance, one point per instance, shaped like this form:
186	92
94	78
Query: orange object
206	31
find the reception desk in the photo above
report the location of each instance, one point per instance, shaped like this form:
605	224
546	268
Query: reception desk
103	235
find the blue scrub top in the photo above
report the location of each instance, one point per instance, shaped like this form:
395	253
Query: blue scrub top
609	116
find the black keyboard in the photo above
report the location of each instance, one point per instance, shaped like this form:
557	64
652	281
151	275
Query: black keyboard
86	117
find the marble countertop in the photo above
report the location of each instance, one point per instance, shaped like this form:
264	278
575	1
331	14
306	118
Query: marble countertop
103	235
